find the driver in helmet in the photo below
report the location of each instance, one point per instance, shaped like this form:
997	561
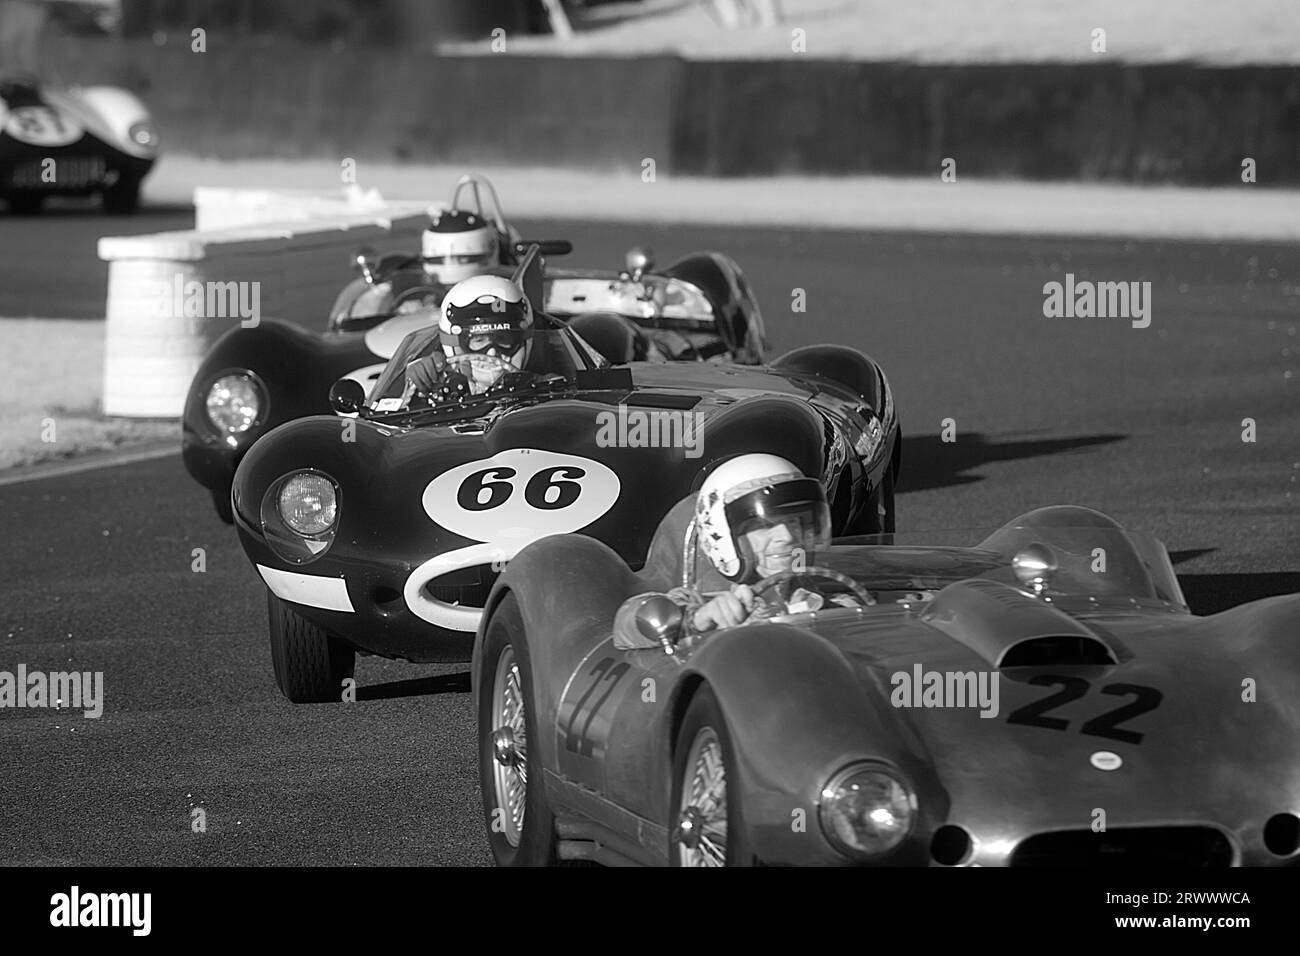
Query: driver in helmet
457	245
484	332
454	246
758	515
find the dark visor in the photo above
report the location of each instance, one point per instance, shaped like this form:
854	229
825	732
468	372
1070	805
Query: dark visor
774	501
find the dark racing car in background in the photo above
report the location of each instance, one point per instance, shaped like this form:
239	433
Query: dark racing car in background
699	309
1115	732
72	142
384	532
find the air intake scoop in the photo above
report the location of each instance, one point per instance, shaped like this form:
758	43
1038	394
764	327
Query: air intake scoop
1008	628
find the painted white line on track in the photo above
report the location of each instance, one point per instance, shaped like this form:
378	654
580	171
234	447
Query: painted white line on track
90	463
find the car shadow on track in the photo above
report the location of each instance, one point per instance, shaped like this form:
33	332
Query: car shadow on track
417	687
929	462
1212	593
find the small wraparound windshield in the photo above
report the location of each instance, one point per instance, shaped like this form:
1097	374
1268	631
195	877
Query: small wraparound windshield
549	352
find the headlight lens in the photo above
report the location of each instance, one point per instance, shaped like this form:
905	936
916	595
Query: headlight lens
865	810
308	504
234	403
143	134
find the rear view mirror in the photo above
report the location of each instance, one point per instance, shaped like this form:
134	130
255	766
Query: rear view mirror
648	620
639	261
1034	567
347	396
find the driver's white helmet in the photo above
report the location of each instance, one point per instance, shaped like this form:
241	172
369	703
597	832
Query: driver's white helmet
486	322
752	492
456	245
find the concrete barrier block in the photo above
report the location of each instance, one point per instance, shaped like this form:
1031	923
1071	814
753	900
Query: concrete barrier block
172	295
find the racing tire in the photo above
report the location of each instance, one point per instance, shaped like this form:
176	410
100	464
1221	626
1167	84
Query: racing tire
880	506
122	198
521	829
26	203
877	515
310	666
704	737
225	511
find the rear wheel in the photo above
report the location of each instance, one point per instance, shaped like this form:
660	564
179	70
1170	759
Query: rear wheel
877	515
310	666
26	204
520	824
707	829
122	198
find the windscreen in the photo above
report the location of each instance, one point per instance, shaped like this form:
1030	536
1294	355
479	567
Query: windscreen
549	352
1091	561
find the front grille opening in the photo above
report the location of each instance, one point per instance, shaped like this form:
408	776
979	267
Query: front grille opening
1138	846
1282	834
1068	650
461	587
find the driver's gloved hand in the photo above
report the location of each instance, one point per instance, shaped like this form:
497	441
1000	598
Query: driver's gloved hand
426	374
729	609
455	385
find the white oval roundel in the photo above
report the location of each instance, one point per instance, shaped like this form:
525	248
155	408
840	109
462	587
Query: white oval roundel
1106	760
42	126
520	495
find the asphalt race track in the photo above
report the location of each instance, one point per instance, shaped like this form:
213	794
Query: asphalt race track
96	568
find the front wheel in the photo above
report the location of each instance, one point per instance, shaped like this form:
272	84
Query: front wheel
221	501
310	666
520	824
707	829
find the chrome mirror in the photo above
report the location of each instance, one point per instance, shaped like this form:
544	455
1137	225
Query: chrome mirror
1034	567
647	620
365	262
639	261
347	396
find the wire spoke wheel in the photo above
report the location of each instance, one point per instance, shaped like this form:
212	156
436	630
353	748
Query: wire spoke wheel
703	809
510	742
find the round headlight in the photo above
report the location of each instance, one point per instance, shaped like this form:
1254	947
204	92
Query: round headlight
143	134
308	504
234	403
865	810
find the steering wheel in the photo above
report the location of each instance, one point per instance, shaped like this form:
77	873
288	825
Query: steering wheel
494	362
816	571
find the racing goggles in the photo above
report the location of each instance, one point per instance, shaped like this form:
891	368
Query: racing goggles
506	341
456	259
